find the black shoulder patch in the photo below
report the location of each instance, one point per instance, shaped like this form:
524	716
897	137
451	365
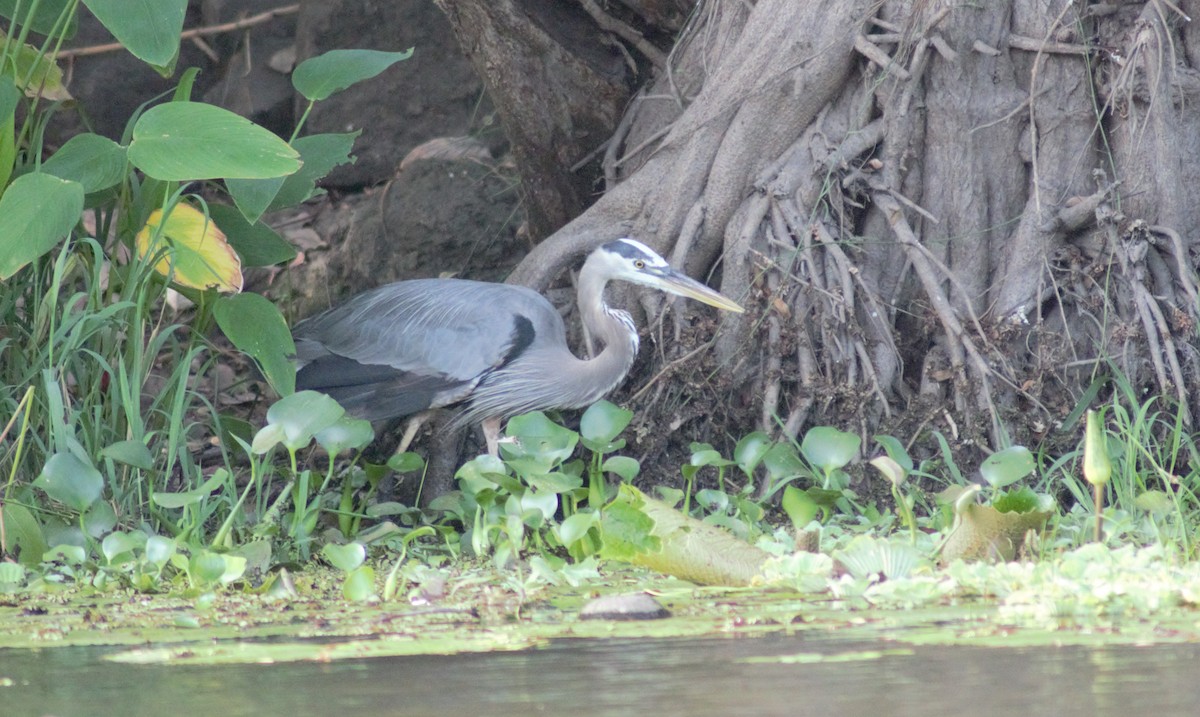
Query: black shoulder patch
522	337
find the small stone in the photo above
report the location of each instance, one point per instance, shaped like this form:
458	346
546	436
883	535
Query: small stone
632	606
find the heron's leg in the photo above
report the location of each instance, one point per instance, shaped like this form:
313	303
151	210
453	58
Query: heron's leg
410	430
491	434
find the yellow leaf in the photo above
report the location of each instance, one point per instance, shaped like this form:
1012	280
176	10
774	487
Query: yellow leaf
45	77
192	250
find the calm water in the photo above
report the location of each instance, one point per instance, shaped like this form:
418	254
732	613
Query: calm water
627	677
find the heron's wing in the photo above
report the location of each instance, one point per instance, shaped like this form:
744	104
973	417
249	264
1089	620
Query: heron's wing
418	344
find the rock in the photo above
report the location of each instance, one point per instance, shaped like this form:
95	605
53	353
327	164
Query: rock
632	606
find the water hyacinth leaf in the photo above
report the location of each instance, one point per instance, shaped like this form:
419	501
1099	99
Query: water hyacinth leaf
704	454
554	482
895	450
750	451
45	17
783	463
254	325
190	249
319	77
1007	466
577	526
70	481
11	574
180	499
344	557
359	585
828	448
603	421
302	415
406	462
206	567
36	212
182	141
1022	500
120	544
348	433
149	30
98	520
890	469
625	528
95	162
624	466
24	534
267	438
540	439
800	508
256	243
159	550
131	453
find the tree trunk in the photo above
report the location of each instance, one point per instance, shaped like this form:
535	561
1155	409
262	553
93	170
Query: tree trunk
941	216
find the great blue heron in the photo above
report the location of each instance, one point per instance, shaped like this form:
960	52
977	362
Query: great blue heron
500	350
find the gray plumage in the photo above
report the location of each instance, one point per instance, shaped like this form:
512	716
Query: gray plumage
500	350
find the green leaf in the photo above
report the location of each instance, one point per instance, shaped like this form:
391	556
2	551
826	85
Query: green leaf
782	462
577	526
24	534
555	482
181	141
750	451
255	326
119	543
131	453
626	532
45	16
828	448
159	550
319	77
10	97
1007	466
253	196
895	450
406	462
12	574
36	212
800	508
302	415
190	497
624	466
359	585
348	433
603	421
319	153
344	557
95	162
257	244
1023	500
1154	502
206	567
149	29
70	481
98	519
704	455
539	439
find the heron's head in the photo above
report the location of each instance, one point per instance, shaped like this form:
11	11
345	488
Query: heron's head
630	260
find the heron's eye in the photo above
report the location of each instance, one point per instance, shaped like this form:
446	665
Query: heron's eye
639	264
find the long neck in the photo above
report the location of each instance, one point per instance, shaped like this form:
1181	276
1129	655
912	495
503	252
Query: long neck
611	326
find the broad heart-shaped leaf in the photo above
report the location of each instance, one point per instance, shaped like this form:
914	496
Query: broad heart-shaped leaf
344	557
624	466
45	16
131	453
1007	466
190	250
828	448
253	196
70	481
800	508
749	451
302	415
181	141
359	585
95	162
256	328
604	421
320	153
149	29
319	77
257	244
347	434
540	439
36	212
